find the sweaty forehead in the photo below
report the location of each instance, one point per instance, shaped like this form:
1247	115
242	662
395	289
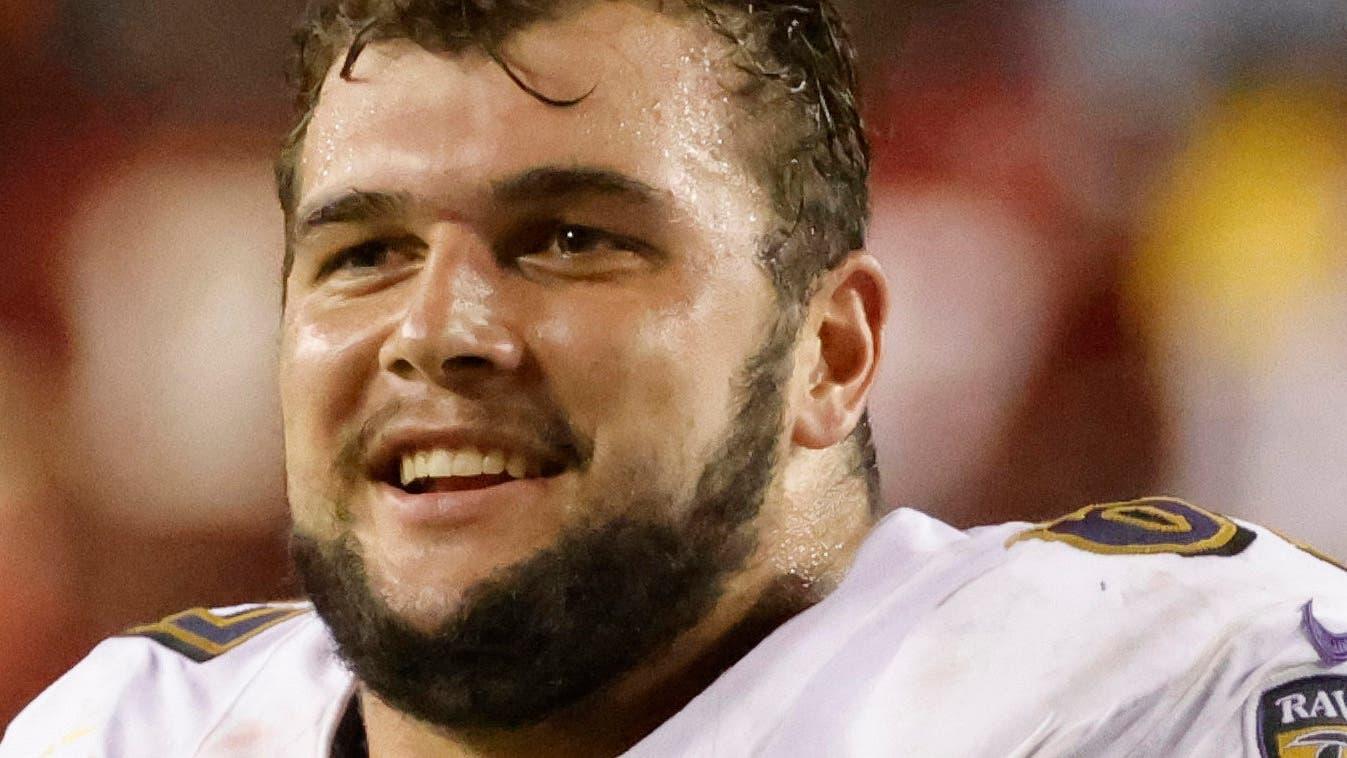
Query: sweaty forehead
657	106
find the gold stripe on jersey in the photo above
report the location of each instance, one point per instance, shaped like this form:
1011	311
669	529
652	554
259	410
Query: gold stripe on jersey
1308	743
1308	548
201	634
1150	518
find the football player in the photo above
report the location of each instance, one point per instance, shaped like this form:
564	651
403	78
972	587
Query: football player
578	334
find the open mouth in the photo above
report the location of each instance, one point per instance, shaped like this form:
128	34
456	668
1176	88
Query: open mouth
430	470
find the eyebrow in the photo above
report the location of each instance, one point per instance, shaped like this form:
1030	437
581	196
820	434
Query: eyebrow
354	206
551	183
540	184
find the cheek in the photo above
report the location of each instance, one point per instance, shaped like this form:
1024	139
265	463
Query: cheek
609	359
689	367
652	386
325	368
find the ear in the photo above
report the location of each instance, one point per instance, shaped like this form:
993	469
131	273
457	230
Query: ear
845	330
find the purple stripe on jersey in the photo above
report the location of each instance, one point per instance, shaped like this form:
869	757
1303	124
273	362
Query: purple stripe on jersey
1332	648
228	631
1124	524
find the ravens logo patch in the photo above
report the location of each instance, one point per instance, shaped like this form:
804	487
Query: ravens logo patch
1304	718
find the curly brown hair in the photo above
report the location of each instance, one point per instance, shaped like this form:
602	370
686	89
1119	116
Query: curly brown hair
801	76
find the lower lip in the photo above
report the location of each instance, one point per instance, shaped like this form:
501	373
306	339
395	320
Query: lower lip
450	509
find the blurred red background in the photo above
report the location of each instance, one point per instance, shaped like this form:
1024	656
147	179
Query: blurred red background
1116	232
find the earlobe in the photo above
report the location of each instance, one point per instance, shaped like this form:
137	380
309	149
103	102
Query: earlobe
848	315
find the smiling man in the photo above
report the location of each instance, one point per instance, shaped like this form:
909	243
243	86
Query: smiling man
537	383
578	335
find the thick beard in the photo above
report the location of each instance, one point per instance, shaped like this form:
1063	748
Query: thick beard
560	626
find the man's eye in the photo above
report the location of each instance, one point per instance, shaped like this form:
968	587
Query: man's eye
362	258
574	240
578	251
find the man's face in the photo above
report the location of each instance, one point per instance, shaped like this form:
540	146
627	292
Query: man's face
484	280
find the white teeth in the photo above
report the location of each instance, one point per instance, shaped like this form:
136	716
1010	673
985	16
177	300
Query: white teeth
493	462
468	462
465	461
441	463
516	466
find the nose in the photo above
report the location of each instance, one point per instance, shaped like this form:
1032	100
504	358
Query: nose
452	328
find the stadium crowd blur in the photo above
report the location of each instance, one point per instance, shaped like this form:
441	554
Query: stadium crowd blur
1117	231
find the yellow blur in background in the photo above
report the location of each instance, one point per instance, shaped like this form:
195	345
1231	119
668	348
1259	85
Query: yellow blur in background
1116	233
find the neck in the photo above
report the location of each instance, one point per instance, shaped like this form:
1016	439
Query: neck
610	722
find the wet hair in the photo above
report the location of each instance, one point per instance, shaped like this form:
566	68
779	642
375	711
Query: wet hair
801	74
800	79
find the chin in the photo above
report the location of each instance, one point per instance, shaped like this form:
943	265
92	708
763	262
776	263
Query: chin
417	596
426	612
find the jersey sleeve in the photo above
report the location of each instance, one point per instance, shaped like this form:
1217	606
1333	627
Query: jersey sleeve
157	689
1259	669
92	709
1150	628
1263	690
1298	707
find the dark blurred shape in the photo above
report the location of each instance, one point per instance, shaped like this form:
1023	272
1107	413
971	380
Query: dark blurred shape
1089	429
219	62
47	142
1064	413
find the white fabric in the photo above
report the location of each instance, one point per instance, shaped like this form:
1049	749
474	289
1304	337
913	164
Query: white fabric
937	643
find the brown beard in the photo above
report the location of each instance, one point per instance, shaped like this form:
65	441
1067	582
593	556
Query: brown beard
554	629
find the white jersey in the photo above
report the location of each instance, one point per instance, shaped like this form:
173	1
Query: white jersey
1148	628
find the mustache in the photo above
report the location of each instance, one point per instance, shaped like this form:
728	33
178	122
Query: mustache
548	426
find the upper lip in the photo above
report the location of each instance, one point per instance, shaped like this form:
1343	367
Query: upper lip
392	441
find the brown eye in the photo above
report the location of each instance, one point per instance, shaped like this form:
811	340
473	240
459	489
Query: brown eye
363	258
577	251
578	240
